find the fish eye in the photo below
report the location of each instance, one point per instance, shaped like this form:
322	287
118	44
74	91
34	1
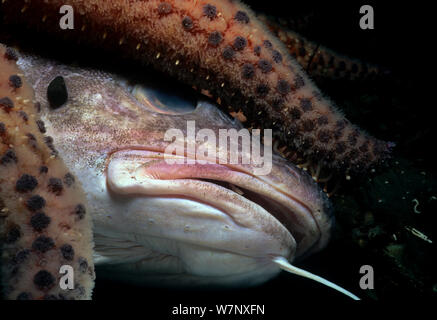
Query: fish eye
167	98
57	93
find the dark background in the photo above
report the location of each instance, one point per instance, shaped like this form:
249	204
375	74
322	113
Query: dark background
398	107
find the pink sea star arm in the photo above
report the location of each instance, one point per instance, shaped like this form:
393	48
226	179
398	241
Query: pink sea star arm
222	48
43	220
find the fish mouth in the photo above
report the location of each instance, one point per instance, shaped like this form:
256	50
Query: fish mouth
287	197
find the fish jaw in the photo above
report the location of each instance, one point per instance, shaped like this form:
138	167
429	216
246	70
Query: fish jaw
193	228
235	191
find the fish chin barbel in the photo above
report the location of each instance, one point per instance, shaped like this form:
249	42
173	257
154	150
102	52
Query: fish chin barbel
222	48
176	223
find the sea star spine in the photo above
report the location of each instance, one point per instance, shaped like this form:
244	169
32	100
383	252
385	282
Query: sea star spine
43	219
221	47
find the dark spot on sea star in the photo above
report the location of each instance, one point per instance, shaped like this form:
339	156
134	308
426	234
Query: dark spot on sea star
210	11
306	104
57	93
302	52
299	82
340	124
242	17
352	138
283	86
43	244
239	43
37	107
44	280
278	103
49	142
187	23
80	211
277	56
342	65
318	95
262	90
265	66
364	147
8	157
41	126
295	113
55	186
308	125
338	132
83	265
267	44
257	50
322	120
164	8
26	183
15	81
228	53
69	179
11	54
35	203
354	68
23	115
43	169
13	234
2	128
40	221
324	136
340	147
21	256
67	252
248	71
6	104
215	38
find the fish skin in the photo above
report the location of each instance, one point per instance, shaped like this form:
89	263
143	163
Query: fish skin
102	119
235	59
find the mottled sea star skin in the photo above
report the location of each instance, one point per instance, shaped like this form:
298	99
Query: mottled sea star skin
222	48
319	61
42	220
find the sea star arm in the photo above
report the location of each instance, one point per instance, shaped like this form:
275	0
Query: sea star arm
44	223
222	48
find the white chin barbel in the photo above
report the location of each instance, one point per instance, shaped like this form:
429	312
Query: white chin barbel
286	266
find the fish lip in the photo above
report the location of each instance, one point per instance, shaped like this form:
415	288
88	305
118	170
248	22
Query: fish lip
300	207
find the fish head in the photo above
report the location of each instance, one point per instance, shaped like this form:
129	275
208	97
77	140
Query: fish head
168	202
